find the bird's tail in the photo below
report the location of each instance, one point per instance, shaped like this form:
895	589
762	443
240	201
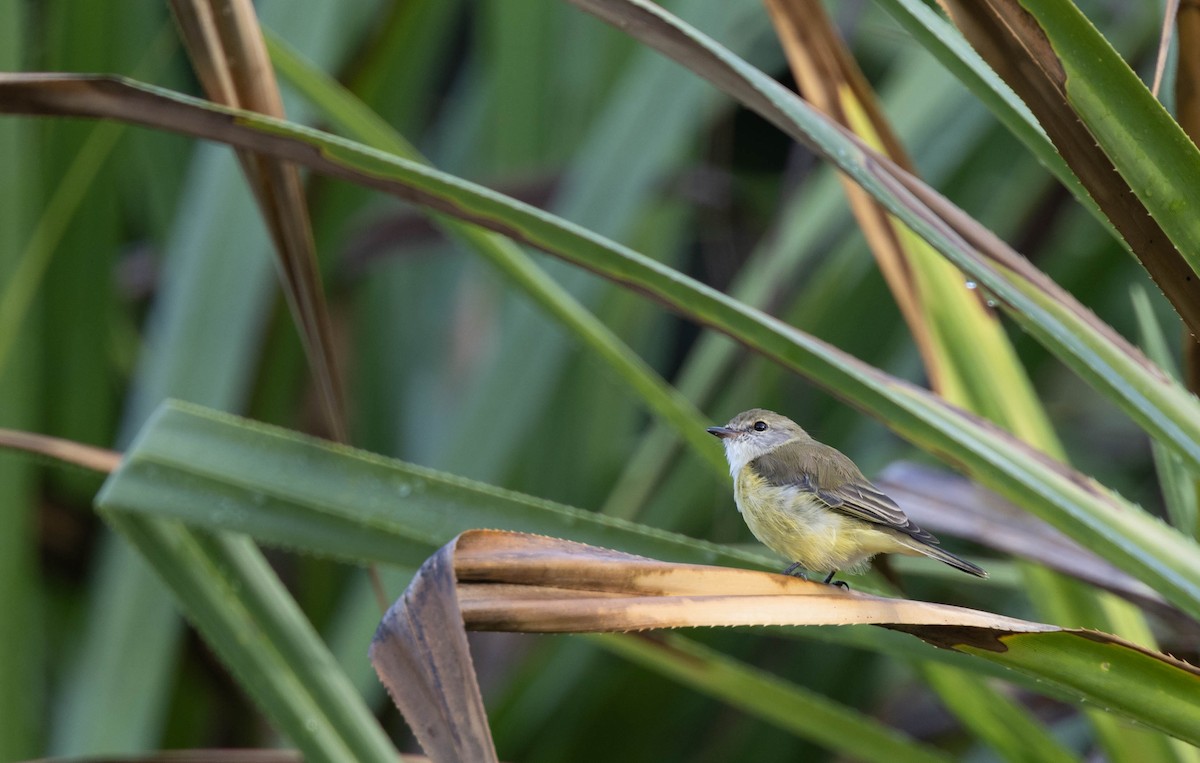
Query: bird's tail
942	555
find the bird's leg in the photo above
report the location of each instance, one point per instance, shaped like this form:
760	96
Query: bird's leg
839	583
791	570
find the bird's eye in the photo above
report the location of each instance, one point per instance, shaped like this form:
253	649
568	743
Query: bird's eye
760	426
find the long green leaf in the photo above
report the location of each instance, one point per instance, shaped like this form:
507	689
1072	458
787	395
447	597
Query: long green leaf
228	590
1177	481
22	285
22	660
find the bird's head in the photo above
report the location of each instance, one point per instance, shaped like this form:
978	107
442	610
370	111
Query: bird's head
754	433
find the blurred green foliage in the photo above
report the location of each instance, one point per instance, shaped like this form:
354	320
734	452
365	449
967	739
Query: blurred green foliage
157	282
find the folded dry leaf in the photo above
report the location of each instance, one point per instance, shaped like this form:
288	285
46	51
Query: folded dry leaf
498	580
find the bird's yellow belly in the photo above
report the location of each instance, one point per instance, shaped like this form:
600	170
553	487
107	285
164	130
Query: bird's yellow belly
801	528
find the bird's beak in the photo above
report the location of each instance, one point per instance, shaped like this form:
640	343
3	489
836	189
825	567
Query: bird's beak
722	432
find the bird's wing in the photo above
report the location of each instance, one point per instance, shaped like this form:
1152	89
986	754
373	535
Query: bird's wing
842	487
863	500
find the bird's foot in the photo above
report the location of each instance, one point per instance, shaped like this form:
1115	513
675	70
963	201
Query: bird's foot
838	583
791	570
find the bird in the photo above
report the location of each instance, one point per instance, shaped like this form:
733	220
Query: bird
809	503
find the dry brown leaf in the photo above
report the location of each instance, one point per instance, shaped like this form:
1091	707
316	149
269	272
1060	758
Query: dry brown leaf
226	46
1164	44
827	76
62	451
421	655
1187	111
497	580
225	43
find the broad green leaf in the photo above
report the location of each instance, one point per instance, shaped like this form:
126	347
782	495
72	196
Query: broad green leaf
1113	678
218	472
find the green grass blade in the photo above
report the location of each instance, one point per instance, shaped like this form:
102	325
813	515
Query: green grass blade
231	594
1177	481
22	286
807	714
999	721
23	661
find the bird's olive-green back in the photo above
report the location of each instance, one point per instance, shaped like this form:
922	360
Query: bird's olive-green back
826	472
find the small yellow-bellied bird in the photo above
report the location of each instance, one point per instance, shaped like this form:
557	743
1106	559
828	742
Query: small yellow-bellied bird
811	505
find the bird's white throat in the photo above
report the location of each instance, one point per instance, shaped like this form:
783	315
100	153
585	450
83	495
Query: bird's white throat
740	451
